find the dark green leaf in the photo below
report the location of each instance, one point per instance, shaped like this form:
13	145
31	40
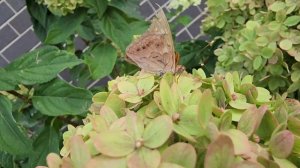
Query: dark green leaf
267	126
62	27
98	5
38	15
6	160
130	7
12	140
101	60
116	27
60	98
7	81
47	142
86	31
36	67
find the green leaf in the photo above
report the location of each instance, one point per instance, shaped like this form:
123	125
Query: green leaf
47	142
267	126
134	125
176	152
240	142
220	153
116	104
188	121
168	165
60	98
240	102
62	27
277	6
281	144
262	41
286	44
105	161
144	157
294	125
39	18
98	5
248	164
205	108
114	143
101	60
158	131
36	67
145	84
130	7
263	95
284	163
257	62
296	148
266	162
7	81
292	20
118	28
267	52
6	160
182	131
225	121
251	119
168	100
12	140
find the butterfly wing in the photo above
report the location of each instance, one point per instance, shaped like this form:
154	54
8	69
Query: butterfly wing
160	25
154	50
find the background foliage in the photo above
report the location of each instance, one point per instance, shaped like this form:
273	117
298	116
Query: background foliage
260	38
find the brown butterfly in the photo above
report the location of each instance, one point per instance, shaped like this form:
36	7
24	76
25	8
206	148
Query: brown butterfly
154	51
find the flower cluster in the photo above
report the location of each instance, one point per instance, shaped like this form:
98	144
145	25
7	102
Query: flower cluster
61	7
154	122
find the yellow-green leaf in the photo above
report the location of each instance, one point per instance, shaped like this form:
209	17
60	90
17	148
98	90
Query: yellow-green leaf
176	152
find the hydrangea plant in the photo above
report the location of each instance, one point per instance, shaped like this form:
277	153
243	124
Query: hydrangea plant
184	121
61	7
260	37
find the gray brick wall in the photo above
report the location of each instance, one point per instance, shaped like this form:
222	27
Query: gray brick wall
16	32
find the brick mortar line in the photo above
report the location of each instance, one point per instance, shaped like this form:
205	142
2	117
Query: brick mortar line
154	9
92	84
10	6
12	42
5	59
13	29
193	21
144	1
34	47
14	16
189	33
